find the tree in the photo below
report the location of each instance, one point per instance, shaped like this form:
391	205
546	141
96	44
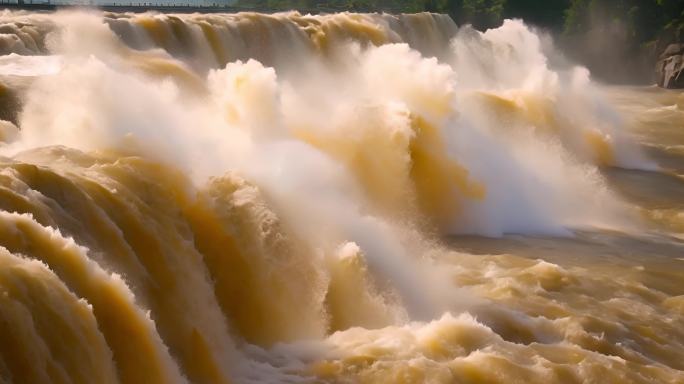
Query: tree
549	13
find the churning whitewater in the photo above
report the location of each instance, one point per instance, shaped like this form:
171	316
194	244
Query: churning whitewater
344	198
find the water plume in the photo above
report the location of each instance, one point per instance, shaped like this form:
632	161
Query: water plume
261	197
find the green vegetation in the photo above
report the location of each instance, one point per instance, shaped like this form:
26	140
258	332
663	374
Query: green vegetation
642	20
620	40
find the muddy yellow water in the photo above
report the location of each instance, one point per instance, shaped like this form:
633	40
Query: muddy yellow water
344	198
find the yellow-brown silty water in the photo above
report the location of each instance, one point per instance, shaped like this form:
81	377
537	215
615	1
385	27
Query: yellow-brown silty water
344	198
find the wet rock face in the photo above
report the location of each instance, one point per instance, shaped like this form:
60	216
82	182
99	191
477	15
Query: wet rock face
670	67
10	102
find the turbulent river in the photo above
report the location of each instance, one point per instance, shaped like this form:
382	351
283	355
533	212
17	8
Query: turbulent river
344	198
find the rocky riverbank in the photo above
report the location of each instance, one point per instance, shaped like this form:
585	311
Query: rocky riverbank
670	67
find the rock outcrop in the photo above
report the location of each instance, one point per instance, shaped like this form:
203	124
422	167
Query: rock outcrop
670	67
